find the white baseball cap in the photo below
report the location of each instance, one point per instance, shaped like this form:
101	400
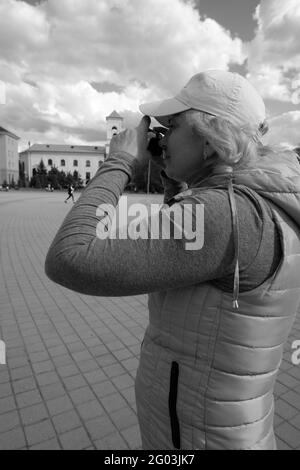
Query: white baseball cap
220	93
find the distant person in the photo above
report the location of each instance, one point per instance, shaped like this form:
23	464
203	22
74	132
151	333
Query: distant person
70	193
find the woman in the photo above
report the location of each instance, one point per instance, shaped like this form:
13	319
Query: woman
218	314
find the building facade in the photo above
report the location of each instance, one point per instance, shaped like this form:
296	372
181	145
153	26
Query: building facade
85	159
9	158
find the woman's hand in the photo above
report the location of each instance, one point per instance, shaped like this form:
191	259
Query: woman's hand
133	141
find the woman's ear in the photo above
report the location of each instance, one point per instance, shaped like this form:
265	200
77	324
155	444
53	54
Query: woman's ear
208	151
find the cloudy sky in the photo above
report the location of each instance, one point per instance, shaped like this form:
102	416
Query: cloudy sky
67	64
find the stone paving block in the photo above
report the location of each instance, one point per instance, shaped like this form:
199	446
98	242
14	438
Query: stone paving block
47	378
122	354
95	376
76	347
132	437
289	434
277	420
40	432
103	389
90	409
88	366
295	372
36	347
280	389
74	382
67	371
34	414
82	395
112	442
100	427
52	444
81	355
71	339
53	391
123	381
292	398
21	373
76	439
57	351
91	342
59	405
28	398
130	364
9	421
113	402
12	440
123	418
295	421
129	394
63	360
282	445
114	370
15	362
45	366
7	404
66	421
106	360
99	350
15	352
287	380
4	376
115	345
24	385
5	390
39	356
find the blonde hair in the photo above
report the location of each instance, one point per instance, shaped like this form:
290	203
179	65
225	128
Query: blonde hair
234	147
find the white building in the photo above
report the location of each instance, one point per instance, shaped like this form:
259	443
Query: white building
85	159
9	159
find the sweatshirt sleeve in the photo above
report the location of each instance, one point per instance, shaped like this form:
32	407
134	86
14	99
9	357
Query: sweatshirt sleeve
142	262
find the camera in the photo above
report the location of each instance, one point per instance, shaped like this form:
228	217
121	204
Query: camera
153	146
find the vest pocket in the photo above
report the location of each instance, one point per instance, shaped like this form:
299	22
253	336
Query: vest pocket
172	405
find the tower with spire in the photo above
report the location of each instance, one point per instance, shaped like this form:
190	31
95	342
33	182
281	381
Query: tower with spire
114	125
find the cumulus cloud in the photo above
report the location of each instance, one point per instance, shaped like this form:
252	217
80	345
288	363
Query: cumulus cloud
69	63
284	130
274	53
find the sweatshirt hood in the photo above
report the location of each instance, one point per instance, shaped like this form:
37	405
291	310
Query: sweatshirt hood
275	177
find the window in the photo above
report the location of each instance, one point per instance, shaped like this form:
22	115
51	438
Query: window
75	162
88	176
100	163
88	163
50	162
62	163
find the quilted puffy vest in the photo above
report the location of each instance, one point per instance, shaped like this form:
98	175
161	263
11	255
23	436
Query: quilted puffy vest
207	370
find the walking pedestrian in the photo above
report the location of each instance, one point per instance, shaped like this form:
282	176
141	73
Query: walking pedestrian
70	193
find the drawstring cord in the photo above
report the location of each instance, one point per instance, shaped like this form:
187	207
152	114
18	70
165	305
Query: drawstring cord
235	227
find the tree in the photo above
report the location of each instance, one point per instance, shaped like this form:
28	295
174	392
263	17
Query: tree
39	176
22	180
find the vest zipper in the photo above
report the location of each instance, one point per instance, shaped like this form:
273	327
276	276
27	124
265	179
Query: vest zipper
172	405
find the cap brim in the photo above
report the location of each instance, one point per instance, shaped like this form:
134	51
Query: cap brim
161	110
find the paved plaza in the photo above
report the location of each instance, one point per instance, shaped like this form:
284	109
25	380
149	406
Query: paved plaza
71	359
